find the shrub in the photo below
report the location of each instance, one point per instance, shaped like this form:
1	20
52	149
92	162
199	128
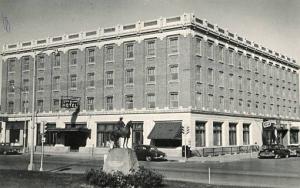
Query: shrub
143	178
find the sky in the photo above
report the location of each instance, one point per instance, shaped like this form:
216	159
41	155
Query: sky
274	24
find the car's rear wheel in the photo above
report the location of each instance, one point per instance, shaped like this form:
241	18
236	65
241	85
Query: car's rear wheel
148	158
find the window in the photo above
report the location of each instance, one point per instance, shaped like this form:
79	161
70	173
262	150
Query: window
248	85
40	84
151	74
256	63
109	78
199	74
91	79
91	55
221	53
109	103
248	63
151	100
199	100
11	65
232	134
41	62
10	109
199	46
240	83
129	102
57	60
173	45
137	133
11	86
55	105
231	81
174	100
129	51
221	79
221	102
231	103
210	101
129	76
25	106
73	57
240	60
246	134
210	76
25	64
150	47
200	133
25	85
104	134
40	105
73	81
231	57
56	83
294	136
210	50
109	53
174	72
90	103
217	133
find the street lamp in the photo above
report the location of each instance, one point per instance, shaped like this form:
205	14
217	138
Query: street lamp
31	164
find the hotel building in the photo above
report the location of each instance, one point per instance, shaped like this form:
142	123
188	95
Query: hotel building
165	75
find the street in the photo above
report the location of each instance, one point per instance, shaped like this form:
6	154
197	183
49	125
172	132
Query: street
247	172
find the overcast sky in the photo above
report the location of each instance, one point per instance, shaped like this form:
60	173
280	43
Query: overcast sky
274	24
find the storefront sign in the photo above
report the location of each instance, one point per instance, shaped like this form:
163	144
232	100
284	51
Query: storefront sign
266	124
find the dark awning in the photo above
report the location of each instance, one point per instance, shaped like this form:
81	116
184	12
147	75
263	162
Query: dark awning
166	130
83	130
294	128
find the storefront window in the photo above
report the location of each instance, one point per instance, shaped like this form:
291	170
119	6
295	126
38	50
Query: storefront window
103	134
200	134
217	127
232	133
246	134
294	134
137	133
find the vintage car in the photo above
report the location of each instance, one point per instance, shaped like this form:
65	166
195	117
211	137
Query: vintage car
7	148
274	151
294	150
148	153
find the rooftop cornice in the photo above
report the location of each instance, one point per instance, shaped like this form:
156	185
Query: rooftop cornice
141	27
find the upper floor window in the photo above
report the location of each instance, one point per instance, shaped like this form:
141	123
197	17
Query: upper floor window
231	57
10	109
174	100
129	76
25	106
210	76
90	103
221	53
57	60
91	55
11	86
56	83
25	85
210	50
109	53
199	74
40	84
40	105
73	57
129	102
25	64
91	79
221	79
73	79
129	50
199	46
109	103
151	74
173	45
174	72
240	60
109	78
11	65
231	81
150	47
55	105
248	63
41	62
150	100
240	83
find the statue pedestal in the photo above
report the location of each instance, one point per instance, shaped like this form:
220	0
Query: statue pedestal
120	159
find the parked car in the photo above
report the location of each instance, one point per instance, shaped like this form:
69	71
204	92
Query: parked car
7	148
294	150
274	151
148	153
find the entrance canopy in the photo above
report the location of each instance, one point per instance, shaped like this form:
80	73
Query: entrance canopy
166	130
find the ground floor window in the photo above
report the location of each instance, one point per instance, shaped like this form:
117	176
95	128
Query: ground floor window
217	128
232	133
50	137
104	133
294	136
14	135
137	133
246	140
200	133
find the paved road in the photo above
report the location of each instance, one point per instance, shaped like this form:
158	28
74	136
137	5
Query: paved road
250	172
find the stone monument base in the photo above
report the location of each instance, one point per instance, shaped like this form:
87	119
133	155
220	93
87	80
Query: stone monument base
120	159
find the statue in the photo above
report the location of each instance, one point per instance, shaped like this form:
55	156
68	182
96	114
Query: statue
121	131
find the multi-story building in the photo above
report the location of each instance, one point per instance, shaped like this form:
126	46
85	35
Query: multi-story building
162	74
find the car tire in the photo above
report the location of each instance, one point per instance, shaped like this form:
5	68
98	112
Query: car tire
277	156
148	158
287	156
